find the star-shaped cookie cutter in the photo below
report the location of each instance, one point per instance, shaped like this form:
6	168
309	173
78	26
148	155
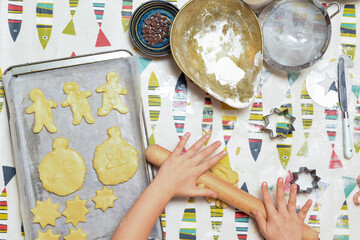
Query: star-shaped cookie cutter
312	173
290	128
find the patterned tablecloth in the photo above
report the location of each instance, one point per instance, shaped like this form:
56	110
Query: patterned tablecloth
174	105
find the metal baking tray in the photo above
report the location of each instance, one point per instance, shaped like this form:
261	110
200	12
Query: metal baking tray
29	148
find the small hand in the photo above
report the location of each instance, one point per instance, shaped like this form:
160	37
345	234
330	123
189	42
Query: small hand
180	171
282	223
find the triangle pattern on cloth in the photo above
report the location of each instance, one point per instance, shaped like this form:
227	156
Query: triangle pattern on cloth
101	40
144	62
356	90
349	185
320	191
8	173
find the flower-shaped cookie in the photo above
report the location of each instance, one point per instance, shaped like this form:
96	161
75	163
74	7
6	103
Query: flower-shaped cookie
104	198
77	234
46	213
75	211
48	235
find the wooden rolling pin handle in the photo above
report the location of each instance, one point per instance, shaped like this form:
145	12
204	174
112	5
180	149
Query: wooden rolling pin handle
226	192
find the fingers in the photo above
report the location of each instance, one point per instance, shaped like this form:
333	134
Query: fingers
304	210
280	195
292	199
206	165
203	192
269	205
260	220
180	146
203	154
196	146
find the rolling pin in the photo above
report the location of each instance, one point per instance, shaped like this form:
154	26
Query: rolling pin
226	192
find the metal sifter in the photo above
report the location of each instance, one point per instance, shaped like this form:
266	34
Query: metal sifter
296	33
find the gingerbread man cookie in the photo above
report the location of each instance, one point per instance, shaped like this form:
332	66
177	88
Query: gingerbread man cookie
76	99
111	99
115	160
43	111
62	171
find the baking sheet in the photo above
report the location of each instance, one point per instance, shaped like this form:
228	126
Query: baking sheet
30	148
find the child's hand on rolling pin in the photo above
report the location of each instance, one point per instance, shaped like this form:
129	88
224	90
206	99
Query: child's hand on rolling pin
180	171
282	223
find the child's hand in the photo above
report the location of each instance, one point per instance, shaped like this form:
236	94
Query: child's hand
180	171
282	223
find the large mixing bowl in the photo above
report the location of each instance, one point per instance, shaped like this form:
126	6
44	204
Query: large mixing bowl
218	45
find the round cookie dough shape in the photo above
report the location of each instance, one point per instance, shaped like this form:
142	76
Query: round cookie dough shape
63	170
115	160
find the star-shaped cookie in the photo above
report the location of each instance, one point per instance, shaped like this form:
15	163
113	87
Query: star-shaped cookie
77	234
75	211
48	235
46	213
104	198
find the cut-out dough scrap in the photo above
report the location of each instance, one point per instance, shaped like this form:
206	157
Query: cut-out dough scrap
104	199
75	211
226	173
63	170
46	213
76	99
115	160
77	234
48	235
42	108
110	98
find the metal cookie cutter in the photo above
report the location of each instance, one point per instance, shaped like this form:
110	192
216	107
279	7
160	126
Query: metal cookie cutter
282	130
356	197
312	173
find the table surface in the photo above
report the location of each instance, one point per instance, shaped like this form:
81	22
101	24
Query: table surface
333	211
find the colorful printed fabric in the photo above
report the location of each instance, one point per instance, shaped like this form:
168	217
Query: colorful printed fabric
127	6
256	126
348	30
307	115
44	20
341	231
99	7
188	223
15	15
284	148
207	119
179	105
331	118
70	28
154	101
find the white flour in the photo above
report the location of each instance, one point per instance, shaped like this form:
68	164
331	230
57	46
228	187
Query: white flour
212	40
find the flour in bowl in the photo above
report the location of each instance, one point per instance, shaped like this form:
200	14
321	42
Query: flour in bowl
217	44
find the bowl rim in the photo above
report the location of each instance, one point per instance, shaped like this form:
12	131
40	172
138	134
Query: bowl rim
134	38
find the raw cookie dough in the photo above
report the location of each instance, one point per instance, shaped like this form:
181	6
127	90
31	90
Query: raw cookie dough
76	99
115	160
48	235
62	171
76	235
224	172
111	99
75	211
43	111
46	213
104	199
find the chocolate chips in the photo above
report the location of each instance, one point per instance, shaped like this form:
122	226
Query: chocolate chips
156	29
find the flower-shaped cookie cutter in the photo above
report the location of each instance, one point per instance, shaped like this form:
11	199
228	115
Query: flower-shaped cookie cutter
312	173
356	197
285	129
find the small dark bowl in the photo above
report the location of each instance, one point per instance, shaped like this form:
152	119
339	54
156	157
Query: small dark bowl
137	21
